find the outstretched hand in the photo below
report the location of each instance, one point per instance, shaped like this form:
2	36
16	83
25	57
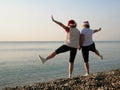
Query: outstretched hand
59	23
52	18
99	29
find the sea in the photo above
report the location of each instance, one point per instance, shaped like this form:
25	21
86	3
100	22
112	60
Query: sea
20	64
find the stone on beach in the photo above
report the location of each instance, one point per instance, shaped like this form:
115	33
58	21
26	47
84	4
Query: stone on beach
109	80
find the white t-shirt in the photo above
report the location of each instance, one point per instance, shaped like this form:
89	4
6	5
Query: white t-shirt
72	39
87	36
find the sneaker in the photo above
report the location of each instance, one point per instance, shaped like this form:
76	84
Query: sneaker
42	59
86	74
101	57
70	75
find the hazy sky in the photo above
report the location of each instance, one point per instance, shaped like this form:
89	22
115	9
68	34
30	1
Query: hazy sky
30	20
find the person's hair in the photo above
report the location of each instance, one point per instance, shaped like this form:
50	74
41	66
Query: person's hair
86	26
74	26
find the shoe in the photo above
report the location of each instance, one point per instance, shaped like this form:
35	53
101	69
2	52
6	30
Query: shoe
86	74
70	75
42	59
101	57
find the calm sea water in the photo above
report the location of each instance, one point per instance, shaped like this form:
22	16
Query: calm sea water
19	63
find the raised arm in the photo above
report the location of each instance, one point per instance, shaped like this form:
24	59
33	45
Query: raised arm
59	23
97	30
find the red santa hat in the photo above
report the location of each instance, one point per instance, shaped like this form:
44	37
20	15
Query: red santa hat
85	23
71	23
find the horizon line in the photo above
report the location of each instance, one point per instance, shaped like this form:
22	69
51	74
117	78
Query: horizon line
63	41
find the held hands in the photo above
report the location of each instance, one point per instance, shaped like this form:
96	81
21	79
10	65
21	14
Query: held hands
79	47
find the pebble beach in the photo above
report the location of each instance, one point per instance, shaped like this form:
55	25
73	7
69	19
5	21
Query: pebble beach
108	80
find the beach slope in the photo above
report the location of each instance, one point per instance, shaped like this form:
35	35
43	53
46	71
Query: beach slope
109	80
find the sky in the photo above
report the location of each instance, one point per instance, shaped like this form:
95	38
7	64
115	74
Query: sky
30	20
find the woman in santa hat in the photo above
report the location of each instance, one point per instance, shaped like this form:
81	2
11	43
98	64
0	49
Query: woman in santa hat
71	44
88	44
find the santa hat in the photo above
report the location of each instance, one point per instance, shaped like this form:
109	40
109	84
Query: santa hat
85	23
71	23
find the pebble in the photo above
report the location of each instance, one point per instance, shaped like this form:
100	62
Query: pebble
109	80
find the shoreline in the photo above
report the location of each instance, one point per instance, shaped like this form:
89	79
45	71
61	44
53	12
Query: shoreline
108	80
